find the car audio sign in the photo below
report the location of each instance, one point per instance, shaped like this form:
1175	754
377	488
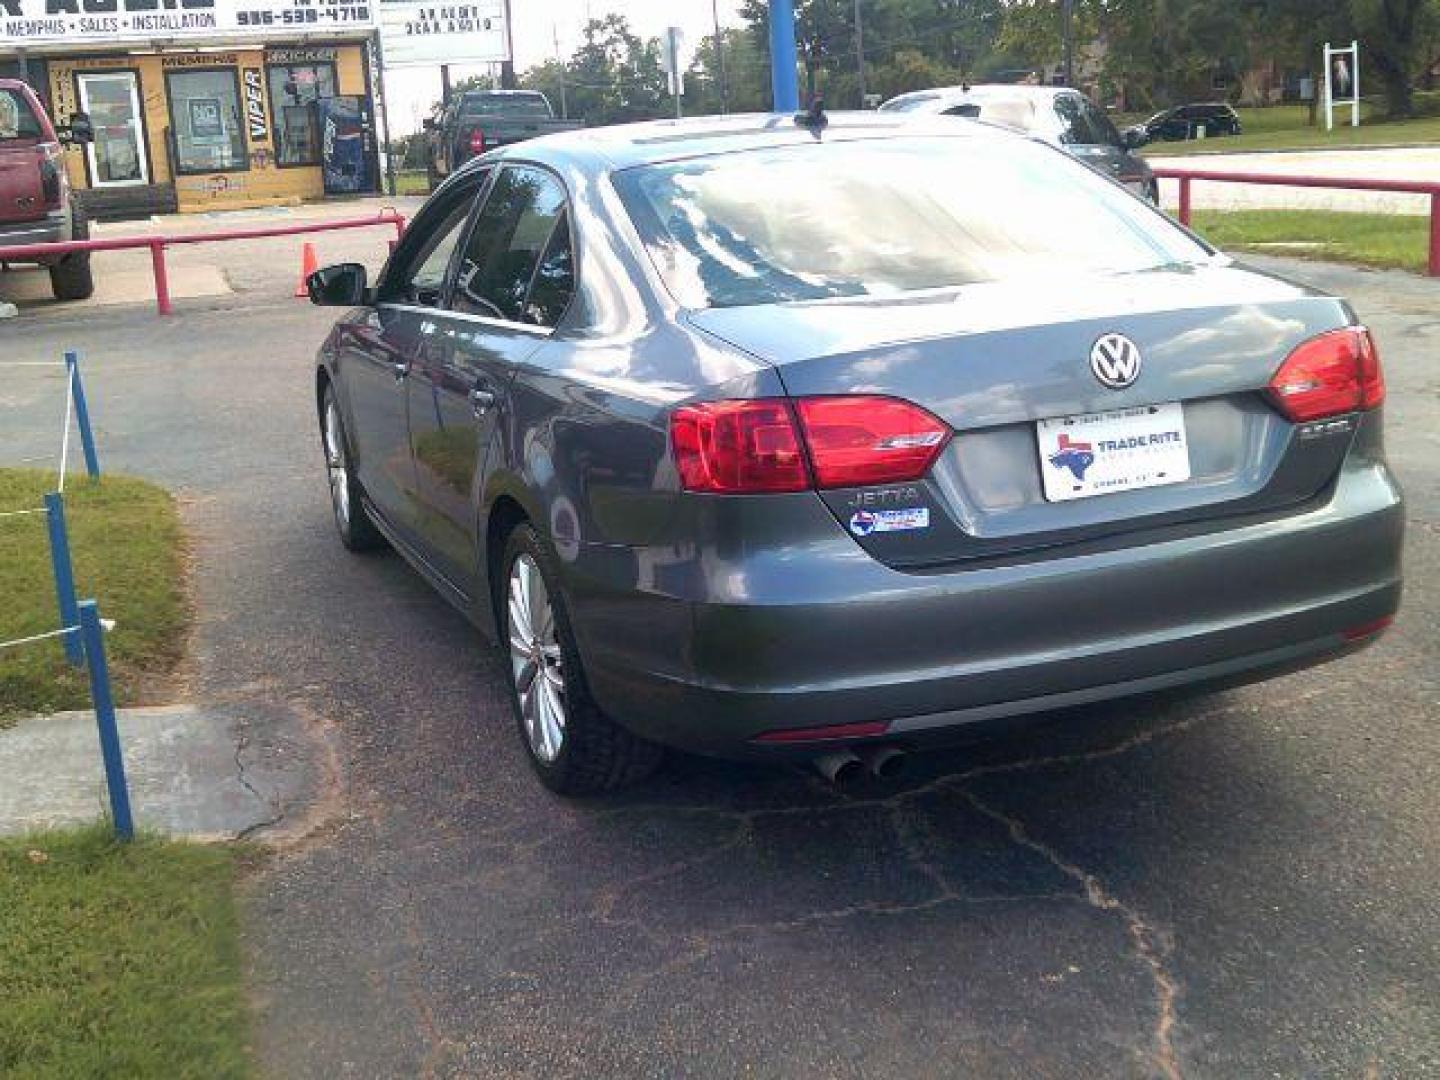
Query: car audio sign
419	32
36	22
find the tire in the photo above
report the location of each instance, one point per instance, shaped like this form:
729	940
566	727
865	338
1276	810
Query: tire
1152	192
592	754
357	531
71	278
432	176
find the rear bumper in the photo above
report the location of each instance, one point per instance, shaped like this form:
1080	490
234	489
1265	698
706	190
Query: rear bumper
709	649
54	228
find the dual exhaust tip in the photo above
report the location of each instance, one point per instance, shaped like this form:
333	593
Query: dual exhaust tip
845	768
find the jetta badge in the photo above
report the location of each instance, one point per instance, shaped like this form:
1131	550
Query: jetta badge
1115	360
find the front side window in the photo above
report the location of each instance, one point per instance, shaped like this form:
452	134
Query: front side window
512	232
294	90
430	243
885	217
1075	126
205	121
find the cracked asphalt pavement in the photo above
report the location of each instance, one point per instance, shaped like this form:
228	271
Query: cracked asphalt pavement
1242	884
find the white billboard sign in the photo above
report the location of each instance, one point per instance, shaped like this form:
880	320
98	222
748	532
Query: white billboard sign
424	32
85	22
1342	82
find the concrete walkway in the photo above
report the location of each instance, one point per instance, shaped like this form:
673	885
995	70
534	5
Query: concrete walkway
211	773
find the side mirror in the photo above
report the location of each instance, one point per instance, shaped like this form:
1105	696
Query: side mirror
341	285
1132	138
80	129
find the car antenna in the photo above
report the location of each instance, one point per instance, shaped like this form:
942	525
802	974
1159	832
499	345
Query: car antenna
814	117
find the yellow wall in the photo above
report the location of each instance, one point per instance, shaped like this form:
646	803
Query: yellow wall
263	184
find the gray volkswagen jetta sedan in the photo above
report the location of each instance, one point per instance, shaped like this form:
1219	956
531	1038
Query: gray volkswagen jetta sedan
770	436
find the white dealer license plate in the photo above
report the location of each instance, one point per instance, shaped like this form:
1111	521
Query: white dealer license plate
1101	453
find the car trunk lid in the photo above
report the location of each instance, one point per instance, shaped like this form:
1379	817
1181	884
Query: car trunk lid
995	360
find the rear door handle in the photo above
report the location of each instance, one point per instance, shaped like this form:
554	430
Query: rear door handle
481	399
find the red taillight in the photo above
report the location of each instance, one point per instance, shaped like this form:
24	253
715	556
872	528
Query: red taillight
738	447
1336	372
477	141
745	447
858	441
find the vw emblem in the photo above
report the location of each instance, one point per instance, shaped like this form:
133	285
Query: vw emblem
1115	360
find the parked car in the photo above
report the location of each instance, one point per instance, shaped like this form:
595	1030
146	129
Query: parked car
36	203
480	120
1199	121
760	438
1064	117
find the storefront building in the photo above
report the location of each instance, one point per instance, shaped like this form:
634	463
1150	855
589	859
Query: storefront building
207	105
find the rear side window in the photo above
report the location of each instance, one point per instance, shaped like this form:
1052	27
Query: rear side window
523	213
17	119
885	217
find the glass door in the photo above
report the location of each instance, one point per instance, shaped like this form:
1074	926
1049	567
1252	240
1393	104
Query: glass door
117	156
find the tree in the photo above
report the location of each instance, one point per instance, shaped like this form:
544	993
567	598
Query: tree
1391	33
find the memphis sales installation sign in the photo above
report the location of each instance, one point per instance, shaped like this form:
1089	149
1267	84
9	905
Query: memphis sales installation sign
37	22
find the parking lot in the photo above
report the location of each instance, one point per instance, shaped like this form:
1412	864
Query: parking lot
1242	884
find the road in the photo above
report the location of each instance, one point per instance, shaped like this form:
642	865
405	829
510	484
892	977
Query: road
1408	163
1243	884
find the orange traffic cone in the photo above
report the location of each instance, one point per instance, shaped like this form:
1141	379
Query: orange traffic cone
308	266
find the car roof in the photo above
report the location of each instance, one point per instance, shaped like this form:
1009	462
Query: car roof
648	143
981	90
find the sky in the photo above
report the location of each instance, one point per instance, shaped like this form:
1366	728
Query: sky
537	24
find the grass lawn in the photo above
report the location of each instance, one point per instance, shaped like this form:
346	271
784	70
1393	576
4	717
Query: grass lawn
412	183
118	959
127	550
1287	127
1384	240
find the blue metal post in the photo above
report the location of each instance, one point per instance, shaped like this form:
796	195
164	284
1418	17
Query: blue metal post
82	412
783	81
94	637
64	574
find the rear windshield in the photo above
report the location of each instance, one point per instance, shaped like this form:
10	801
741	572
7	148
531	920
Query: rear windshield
525	106
885	217
17	119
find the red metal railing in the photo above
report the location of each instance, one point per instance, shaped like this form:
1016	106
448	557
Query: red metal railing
158	244
1408	187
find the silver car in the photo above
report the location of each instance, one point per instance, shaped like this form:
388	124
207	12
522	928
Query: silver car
1059	115
781	438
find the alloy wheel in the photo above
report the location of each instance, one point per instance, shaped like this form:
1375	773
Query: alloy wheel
335	462
535	659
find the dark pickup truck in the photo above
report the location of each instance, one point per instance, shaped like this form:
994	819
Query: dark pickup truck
480	120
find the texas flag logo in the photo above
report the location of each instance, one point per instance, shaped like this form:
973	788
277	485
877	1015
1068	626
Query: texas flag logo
1075	456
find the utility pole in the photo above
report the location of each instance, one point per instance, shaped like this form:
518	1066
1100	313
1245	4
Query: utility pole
1067	14
720	57
444	85
860	52
784	87
507	66
560	64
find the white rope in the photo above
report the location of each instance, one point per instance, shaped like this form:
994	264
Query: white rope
23	513
65	438
106	625
37	637
32	363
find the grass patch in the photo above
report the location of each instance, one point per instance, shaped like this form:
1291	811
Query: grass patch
1287	127
127	549
1398	241
412	183
118	959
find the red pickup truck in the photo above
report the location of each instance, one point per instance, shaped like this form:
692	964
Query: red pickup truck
36	204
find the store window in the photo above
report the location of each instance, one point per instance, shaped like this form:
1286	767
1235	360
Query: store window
205	121
294	89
